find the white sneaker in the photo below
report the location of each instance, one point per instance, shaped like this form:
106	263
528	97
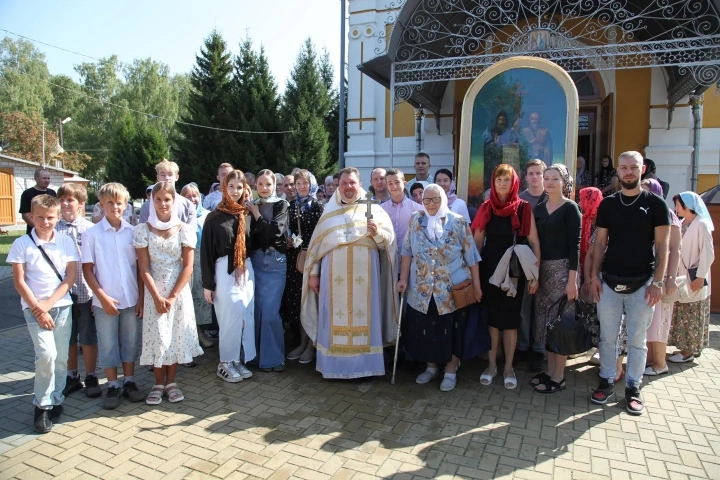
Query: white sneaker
228	372
426	377
448	382
244	371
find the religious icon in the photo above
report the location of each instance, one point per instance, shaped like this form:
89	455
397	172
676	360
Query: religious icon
518	110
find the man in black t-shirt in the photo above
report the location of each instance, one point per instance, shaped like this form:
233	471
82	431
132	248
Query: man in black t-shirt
42	182
633	230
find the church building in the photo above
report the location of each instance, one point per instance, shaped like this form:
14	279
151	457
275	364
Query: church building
647	74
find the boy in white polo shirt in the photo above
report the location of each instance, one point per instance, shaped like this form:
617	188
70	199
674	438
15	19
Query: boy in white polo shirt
44	270
110	270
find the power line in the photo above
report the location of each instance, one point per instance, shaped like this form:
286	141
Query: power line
49	45
150	115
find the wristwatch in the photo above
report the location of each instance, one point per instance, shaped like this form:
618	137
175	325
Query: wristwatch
659	284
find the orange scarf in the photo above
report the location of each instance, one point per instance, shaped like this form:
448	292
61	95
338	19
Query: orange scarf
228	205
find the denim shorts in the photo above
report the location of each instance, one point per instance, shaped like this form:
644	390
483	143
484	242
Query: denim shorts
84	326
117	337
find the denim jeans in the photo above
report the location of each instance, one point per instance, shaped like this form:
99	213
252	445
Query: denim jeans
270	269
51	356
638	318
117	337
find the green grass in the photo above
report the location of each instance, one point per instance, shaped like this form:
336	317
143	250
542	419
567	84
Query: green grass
5	242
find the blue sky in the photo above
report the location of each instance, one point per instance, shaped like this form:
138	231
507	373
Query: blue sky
172	31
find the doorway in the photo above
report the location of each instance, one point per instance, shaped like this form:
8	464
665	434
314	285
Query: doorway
595	119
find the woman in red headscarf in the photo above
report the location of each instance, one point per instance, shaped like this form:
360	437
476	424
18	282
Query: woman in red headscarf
495	226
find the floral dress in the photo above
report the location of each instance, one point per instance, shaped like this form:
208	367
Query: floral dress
170	337
309	217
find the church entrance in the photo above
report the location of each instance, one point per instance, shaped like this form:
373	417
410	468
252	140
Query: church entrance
595	119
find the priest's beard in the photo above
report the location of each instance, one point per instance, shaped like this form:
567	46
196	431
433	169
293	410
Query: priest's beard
630	185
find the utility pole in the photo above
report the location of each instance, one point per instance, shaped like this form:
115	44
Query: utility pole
341	142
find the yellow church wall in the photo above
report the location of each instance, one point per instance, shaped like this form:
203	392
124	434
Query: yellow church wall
404	121
706	181
711	108
632	110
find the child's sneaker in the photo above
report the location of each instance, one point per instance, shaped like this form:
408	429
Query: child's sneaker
72	384
131	392
112	398
92	387
228	372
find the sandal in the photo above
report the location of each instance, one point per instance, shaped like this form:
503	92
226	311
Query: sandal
487	378
173	392
634	402
155	395
551	386
510	383
540	378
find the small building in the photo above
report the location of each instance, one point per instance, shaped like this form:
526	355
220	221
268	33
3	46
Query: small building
17	175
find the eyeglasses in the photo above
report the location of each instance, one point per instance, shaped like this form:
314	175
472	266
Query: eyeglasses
435	200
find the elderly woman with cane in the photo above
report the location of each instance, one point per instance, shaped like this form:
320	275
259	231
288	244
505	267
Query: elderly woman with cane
439	247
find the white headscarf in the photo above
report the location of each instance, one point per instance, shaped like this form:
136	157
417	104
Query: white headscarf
435	224
174	221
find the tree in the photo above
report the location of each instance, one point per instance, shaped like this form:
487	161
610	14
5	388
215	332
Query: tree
201	150
23	78
304	110
22	137
136	148
255	108
332	119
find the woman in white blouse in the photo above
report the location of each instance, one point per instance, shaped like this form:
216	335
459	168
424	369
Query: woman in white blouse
691	318
444	178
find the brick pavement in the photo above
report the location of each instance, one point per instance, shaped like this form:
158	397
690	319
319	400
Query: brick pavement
296	425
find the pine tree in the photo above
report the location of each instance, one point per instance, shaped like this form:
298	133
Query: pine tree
256	106
305	108
201	150
332	119
134	152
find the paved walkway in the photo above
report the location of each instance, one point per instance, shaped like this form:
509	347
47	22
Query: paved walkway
296	425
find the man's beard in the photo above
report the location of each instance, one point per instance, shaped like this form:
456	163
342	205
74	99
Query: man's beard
630	185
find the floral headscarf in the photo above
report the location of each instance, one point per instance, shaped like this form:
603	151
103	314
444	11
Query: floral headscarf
306	202
566	178
590	199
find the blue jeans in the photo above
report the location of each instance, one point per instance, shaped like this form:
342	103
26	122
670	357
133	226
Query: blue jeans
51	356
270	269
117	337
638	316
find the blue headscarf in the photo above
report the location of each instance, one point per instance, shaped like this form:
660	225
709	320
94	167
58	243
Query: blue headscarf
306	201
693	201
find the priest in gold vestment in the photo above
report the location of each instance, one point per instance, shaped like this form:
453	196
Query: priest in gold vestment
348	303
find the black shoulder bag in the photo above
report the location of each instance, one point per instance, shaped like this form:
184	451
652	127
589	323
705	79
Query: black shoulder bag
567	333
74	297
515	268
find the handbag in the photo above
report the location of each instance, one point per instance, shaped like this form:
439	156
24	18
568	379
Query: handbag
73	296
692	273
568	333
623	284
514	268
300	262
463	294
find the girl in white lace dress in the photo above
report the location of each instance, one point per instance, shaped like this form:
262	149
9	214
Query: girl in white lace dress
165	247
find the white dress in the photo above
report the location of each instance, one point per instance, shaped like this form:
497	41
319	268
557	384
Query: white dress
171	337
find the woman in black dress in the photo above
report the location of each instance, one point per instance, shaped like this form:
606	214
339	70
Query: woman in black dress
497	222
607	178
308	210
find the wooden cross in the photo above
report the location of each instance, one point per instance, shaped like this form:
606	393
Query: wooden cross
369	202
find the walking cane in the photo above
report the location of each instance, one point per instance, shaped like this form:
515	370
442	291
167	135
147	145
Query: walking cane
397	340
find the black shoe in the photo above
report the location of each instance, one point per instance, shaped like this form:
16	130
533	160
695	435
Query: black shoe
55	413
42	420
520	356
92	388
603	393
634	402
112	398
131	392
72	384
537	361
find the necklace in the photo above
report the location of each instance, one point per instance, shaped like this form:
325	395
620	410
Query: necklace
628	204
